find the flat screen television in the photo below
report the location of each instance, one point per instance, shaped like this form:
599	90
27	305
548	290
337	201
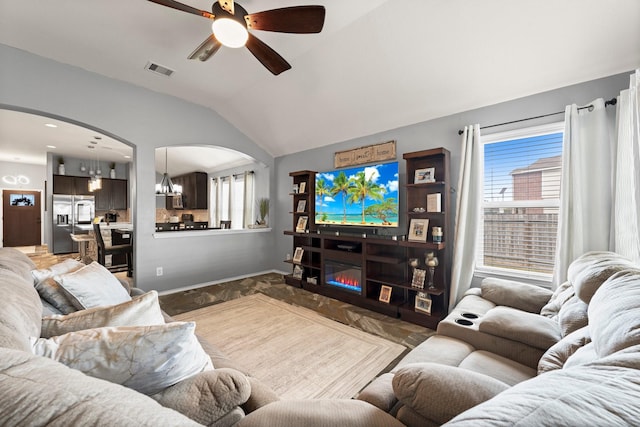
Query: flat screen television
362	196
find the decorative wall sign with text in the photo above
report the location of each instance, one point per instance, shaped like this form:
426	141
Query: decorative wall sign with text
368	154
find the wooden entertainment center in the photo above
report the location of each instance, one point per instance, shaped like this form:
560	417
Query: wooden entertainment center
366	269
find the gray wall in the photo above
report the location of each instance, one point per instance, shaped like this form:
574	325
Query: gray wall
145	120
441	132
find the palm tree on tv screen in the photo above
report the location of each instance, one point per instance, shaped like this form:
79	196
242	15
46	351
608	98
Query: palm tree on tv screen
321	191
341	186
383	210
364	189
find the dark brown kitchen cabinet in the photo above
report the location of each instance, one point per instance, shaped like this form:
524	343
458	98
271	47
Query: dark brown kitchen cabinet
112	195
195	193
75	185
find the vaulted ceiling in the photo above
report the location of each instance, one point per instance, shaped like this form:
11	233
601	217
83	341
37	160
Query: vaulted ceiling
377	64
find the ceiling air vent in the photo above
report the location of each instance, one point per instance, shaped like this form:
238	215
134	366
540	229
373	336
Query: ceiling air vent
159	69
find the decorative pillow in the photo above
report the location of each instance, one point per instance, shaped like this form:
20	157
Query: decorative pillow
51	292
66	266
557	355
92	286
147	359
143	310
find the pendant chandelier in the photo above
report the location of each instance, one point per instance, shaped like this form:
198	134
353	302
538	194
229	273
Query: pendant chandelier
95	180
166	185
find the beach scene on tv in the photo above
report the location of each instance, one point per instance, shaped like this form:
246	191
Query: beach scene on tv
361	196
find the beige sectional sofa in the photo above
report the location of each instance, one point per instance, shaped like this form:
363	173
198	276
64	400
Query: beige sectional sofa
514	354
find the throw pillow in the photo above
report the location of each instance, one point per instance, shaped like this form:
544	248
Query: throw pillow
50	291
92	286
142	310
66	266
147	359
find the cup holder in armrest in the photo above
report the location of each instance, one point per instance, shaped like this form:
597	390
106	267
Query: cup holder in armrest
470	315
464	322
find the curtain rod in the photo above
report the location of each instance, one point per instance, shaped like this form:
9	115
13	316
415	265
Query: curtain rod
612	101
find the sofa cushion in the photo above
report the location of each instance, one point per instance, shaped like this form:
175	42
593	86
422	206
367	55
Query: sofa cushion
66	266
21	310
13	260
562	294
498	367
39	392
590	270
319	413
144	358
521	326
92	286
557	355
143	310
573	315
51	292
510	293
439	393
614	323
601	393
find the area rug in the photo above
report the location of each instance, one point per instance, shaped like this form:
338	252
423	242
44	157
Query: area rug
296	351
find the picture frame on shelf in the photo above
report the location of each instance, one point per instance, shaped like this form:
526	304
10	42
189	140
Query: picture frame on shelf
417	281
425	175
418	230
295	189
297	255
302	187
301	226
385	294
423	303
297	272
302	205
434	202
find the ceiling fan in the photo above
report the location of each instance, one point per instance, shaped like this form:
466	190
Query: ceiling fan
231	25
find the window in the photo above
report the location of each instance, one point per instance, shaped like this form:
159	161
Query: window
233	197
521	198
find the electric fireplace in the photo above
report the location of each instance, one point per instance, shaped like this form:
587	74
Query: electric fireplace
343	276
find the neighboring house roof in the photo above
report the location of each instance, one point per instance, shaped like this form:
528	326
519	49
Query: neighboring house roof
540	165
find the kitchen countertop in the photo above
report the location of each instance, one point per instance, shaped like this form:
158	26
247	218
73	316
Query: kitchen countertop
110	226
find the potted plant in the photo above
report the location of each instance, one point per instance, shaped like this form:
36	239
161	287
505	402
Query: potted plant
263	208
60	166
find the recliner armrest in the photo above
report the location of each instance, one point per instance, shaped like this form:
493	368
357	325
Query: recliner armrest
511	293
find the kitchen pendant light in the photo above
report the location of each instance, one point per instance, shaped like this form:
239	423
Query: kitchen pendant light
166	186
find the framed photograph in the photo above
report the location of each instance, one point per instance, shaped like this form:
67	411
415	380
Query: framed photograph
295	188
301	226
385	294
302	204
297	255
418	230
303	187
418	278
425	175
423	303
297	272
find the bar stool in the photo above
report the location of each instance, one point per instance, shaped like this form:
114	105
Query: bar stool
104	250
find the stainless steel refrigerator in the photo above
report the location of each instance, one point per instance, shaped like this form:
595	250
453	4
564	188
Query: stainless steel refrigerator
69	212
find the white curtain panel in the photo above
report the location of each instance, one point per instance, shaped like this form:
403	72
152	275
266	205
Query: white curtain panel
249	198
584	222
626	227
468	214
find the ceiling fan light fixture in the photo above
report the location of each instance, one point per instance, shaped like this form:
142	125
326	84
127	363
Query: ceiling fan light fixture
230	32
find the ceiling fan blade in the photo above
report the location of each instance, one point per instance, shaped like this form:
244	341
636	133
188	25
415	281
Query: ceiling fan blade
267	56
207	49
296	19
228	6
183	7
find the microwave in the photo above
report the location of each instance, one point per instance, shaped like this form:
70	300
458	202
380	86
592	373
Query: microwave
174	202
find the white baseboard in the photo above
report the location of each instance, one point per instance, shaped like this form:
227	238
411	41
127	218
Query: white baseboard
217	282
